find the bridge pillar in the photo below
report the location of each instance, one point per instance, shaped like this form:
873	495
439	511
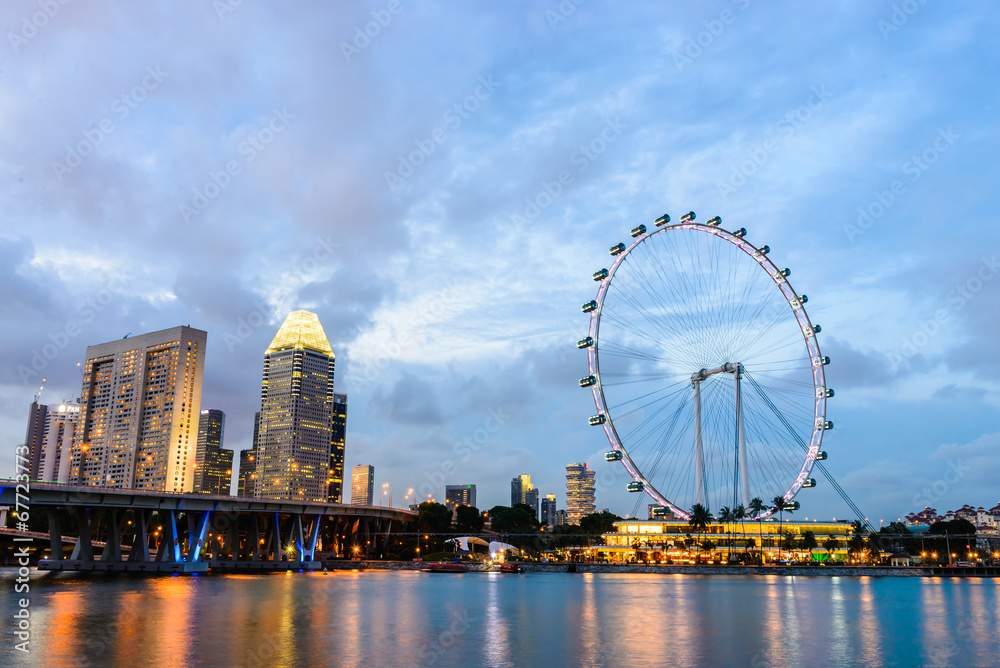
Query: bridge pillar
310	550
113	547
253	536
140	545
196	535
84	550
55	535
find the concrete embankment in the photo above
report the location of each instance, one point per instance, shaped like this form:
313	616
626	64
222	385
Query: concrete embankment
844	571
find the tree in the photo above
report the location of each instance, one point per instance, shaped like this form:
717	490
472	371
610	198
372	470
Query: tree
726	516
757	508
740	514
830	544
856	545
519	519
596	524
468	520
699	519
433	517
779	505
788	541
809	542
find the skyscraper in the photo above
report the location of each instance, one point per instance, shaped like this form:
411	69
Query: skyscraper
363	485
549	510
522	491
338	440
213	464
296	397
247	474
34	437
50	440
580	499
459	495
140	404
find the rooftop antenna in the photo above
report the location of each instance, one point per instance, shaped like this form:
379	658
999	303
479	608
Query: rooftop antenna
126	336
39	395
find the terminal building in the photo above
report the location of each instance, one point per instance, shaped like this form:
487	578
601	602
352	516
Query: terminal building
672	541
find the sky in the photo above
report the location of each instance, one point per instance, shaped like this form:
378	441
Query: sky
438	181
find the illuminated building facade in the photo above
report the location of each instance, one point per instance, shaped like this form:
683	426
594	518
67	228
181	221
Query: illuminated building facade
140	405
670	541
50	440
362	485
213	464
296	397
459	495
247	474
338	439
580	500
549	510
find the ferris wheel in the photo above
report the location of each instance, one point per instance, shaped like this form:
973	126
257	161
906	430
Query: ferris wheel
705	369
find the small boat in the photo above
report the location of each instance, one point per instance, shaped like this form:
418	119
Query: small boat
438	567
510	568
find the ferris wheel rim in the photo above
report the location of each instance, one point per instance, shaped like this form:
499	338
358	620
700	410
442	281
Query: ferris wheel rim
801	316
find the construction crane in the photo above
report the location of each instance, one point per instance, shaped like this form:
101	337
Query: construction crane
39	395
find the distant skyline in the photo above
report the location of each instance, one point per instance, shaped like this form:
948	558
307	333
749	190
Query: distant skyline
441	192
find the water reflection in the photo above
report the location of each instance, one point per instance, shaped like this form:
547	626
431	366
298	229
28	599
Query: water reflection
415	619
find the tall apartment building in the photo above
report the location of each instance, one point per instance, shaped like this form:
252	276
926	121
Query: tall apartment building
49	438
363	485
213	470
522	491
549	510
338	440
140	404
580	500
247	474
459	495
296	398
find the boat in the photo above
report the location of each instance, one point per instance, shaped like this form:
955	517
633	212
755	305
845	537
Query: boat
510	568
439	567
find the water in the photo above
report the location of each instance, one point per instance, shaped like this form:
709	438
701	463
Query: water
552	619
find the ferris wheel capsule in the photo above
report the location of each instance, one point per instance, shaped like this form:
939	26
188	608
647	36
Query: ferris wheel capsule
740	233
688	217
585	342
597	420
637	231
714	222
600	274
613	456
634	487
662	220
588	381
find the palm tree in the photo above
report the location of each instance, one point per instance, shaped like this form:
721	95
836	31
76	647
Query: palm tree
779	505
739	514
809	542
830	544
726	516
857	543
757	507
700	517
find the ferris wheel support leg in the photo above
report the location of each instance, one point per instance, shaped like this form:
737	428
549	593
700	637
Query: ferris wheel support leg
699	456
742	436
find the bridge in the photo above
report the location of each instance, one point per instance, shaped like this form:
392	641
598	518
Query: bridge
187	533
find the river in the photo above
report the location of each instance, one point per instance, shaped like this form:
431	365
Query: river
399	618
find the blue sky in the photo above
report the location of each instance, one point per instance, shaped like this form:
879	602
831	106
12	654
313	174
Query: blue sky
244	160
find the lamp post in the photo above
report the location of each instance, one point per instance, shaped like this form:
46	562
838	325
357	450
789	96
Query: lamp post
386	485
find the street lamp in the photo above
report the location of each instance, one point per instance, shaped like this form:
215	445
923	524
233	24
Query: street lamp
389	492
